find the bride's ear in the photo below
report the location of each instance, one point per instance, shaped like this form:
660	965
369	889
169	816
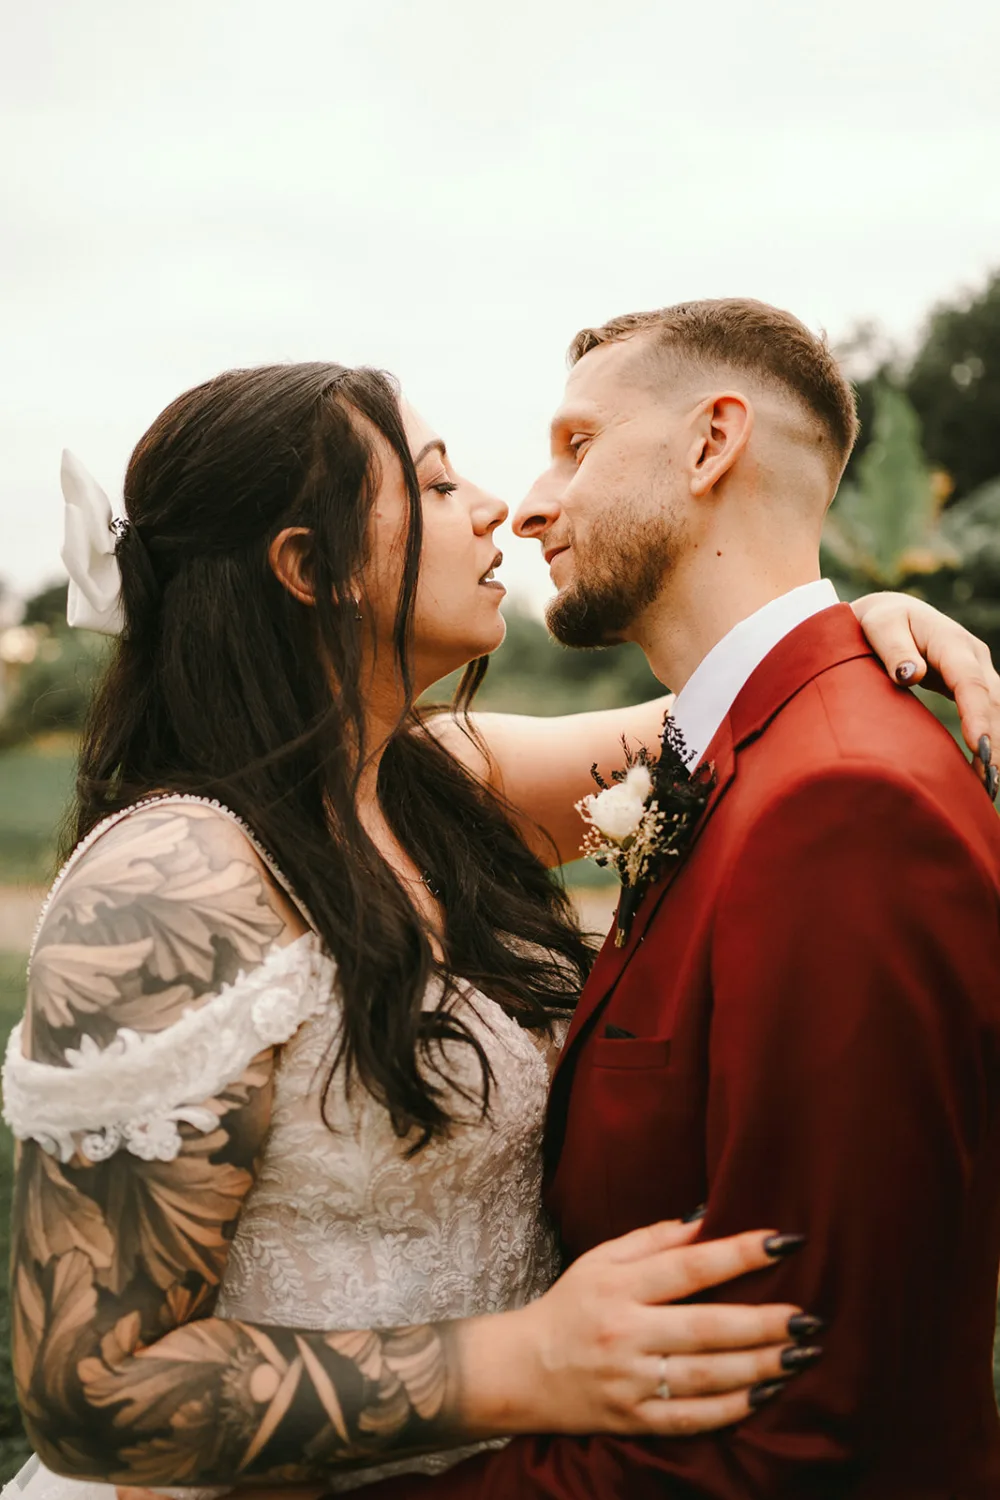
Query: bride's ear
288	556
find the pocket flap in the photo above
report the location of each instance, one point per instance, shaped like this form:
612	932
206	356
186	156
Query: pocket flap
631	1052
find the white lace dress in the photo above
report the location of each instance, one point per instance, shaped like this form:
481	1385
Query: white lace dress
340	1230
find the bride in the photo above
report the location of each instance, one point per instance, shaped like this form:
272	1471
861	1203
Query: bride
295	998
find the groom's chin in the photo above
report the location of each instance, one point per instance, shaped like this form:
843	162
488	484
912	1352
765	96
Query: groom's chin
582	621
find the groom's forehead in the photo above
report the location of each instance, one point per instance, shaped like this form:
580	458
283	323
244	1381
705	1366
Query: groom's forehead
609	380
623	370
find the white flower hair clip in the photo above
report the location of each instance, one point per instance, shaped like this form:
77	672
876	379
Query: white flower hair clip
90	537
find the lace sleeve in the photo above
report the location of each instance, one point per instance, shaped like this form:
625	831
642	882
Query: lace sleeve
134	1092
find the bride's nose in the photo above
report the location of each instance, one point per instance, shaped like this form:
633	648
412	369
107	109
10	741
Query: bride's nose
488	512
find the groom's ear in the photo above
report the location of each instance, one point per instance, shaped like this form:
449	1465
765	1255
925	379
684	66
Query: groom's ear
722	428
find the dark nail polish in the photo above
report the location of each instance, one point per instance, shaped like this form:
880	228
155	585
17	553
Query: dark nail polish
765	1390
905	671
796	1358
777	1245
805	1326
985	749
992	783
696	1213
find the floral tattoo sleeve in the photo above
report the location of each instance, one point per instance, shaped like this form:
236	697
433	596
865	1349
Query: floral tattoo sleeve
122	1371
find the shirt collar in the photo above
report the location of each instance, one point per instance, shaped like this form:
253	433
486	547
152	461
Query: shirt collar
713	687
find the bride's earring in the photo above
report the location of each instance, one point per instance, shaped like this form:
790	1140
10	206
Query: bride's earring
357	608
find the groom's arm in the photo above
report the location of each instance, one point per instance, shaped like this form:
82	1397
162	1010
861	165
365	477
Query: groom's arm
854	971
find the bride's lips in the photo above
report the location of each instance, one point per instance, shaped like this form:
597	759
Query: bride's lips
488	581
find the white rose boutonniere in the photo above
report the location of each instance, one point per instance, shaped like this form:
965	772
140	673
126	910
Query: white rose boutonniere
645	817
618	810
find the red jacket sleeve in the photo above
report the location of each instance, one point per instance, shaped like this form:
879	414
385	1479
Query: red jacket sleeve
854	958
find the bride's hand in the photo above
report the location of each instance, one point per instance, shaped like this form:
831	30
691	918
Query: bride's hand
604	1351
918	644
599	1350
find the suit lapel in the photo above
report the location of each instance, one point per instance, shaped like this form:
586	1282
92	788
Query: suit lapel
612	962
822	642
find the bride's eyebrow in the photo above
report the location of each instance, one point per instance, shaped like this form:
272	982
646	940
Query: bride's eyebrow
429	448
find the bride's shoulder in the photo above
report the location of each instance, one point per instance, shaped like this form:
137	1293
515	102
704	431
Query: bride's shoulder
167	961
155	913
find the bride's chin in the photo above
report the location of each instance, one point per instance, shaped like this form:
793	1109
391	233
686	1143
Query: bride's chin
472	649
497	636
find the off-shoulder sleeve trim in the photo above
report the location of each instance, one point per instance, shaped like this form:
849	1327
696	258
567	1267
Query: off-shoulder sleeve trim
134	1092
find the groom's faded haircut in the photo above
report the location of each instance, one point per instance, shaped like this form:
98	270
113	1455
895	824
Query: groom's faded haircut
752	338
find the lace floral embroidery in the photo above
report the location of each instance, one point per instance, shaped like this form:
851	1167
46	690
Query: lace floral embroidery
136	1091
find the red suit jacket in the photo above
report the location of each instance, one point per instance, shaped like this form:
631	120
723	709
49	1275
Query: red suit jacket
815	998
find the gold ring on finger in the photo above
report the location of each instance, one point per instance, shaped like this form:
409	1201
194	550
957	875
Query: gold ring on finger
663	1389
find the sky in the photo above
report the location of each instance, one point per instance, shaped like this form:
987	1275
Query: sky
450	191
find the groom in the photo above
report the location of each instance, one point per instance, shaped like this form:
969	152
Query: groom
803	1024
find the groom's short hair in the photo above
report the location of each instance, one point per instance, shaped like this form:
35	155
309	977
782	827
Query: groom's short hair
752	338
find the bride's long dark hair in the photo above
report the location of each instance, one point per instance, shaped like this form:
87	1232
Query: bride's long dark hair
220	685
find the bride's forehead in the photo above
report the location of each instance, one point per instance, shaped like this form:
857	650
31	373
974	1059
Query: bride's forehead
418	432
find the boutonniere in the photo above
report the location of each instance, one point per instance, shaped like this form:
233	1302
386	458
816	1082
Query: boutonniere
645	817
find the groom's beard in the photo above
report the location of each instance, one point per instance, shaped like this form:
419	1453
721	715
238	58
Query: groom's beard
619	574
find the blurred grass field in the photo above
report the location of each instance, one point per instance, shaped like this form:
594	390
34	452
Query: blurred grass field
14	1448
35	788
36	783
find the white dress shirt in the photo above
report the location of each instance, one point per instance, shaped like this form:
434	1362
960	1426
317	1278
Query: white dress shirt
715	684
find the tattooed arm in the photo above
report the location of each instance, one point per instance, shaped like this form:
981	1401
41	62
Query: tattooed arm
122	1370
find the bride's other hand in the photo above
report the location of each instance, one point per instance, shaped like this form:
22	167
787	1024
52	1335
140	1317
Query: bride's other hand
599	1350
920	645
613	1347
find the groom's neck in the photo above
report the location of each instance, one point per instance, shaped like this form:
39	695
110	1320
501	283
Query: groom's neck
704	597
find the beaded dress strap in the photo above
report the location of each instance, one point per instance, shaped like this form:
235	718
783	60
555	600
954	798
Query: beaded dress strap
175	799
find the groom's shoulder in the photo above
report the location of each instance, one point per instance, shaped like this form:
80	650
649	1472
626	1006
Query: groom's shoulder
865	719
853	737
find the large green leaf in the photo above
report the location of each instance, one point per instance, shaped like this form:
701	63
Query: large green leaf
885	526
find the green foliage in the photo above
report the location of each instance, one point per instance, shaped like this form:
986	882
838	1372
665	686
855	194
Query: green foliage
54	691
532	674
970	592
887	529
884	526
954	384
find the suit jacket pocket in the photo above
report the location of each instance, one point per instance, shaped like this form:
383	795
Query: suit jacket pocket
631	1052
636	1112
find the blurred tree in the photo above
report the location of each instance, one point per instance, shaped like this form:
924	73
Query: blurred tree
954	384
53	692
47	607
53	688
869	359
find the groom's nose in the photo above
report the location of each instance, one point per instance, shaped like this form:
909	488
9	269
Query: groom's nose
538	510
